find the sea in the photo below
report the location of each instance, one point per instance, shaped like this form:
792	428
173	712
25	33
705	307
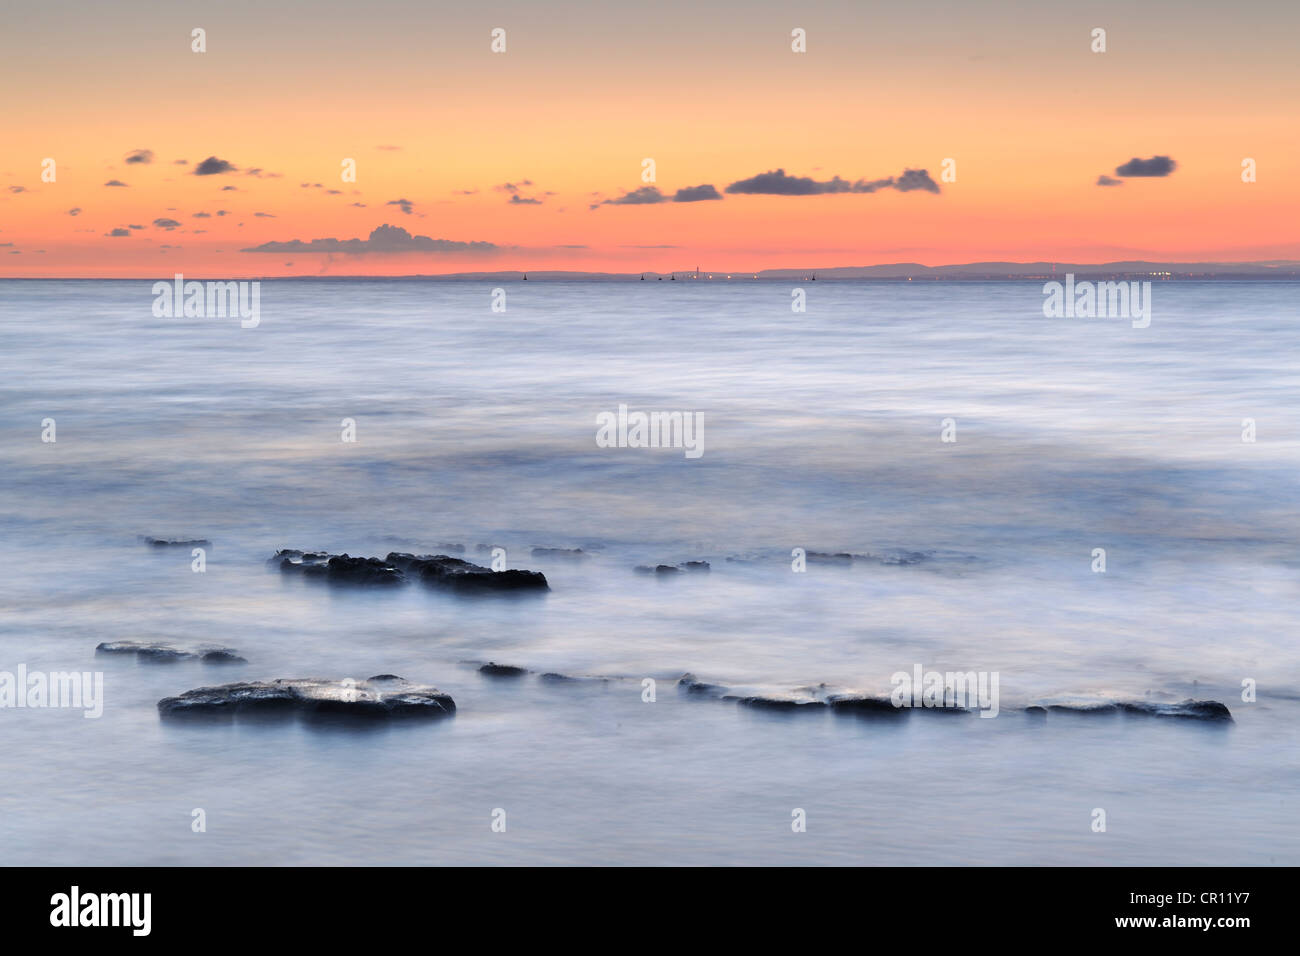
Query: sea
902	475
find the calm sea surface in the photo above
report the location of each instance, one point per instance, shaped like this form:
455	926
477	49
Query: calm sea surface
822	431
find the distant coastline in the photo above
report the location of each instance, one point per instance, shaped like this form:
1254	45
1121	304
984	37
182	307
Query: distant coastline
1283	270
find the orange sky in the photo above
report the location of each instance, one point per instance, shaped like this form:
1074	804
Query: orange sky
585	91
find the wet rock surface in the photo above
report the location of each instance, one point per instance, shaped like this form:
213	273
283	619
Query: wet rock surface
672	568
176	542
382	696
493	669
435	570
162	652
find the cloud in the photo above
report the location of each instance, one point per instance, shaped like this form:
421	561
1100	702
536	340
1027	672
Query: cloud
645	196
359	205
115	182
1104	180
168	224
118	233
913	179
202	215
131	225
75	211
223	212
18	189
180	162
1155	166
777	183
390	149
404	204
142	156
524	201
230	189
213	167
263	215
385	239
513	187
697	193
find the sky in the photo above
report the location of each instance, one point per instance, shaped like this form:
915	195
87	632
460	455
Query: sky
922	132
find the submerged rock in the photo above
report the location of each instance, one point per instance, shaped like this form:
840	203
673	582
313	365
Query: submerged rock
157	651
822	557
672	568
457	574
384	695
176	543
1191	709
864	706
692	685
767	702
493	669
438	570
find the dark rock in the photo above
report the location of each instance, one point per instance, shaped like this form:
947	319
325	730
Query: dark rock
1190	709
457	574
438	570
692	685
821	557
672	568
865	706
493	669
176	543
787	704
161	653
377	697
1086	707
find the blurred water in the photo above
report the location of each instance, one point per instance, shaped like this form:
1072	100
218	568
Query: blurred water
822	431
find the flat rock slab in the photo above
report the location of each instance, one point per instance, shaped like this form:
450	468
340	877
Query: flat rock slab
176	542
161	652
436	570
1189	709
383	696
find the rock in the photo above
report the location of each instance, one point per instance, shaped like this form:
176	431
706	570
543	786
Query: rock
692	685
383	696
1190	709
865	706
159	652
821	557
559	553
176	543
438	570
787	704
338	568
672	568
899	558
1035	712
493	669
443	571
1085	707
